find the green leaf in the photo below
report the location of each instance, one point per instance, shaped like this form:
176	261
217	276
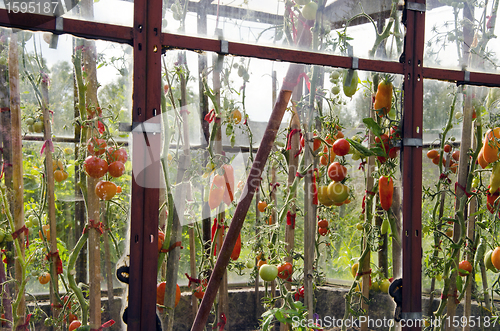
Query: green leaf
373	126
280	317
360	148
267	321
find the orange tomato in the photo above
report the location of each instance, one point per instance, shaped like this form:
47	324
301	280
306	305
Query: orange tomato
495	257
447	148
490	146
44	278
161	239
432	154
323	160
199	293
383	97
216	191
260	263
456	155
58	176
105	190
480	159
74	325
464	268
261	206
160	294
236	115
46	231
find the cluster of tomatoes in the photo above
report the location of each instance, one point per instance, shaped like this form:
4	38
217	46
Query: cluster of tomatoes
35	124
222	188
451	164
336	193
60	174
269	272
323	227
96	166
387	144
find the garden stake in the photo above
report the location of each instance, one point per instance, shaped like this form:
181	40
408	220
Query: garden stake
252	183
51	217
17	180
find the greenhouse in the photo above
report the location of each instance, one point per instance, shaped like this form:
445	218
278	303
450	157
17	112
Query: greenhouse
249	165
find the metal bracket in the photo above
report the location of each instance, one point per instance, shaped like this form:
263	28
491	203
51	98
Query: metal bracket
466	76
413	142
140	127
411	316
59	23
224	47
415	6
355	63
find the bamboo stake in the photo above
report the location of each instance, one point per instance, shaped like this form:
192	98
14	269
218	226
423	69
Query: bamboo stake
17	163
54	293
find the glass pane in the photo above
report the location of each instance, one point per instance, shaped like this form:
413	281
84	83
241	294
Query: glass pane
116	12
80	91
341	25
461	34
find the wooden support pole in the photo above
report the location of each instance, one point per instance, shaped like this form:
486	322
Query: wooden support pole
17	161
51	217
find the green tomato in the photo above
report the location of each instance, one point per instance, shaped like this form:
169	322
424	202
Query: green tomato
475	182
335	90
338	192
250	264
384	286
30	121
268	272
385	226
28	223
335	74
38	127
350	87
2	235
309	11
375	286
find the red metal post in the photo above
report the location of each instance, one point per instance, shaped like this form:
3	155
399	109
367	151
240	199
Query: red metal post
412	162
146	151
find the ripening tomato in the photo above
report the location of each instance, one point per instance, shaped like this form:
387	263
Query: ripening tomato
160	294
337	172
393	152
74	325
495	258
341	147
58	176
385	191
447	148
229	180
480	159
384	138
46	232
72	317
490	145
285	270
161	239
261	206
323	223
338	192
116	169
316	143
105	190
456	155
436	160
114	154
237	249
96	146
236	115
323	197
432	154
44	278
118	189
323	231
383	97
95	167
464	268
323	160
339	135
216	193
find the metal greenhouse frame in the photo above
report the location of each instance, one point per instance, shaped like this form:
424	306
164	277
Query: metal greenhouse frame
148	42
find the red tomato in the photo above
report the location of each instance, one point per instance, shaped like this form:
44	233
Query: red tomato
72	317
285	270
216	191
229	179
323	160
456	155
323	231
316	143
490	201
199	293
74	325
464	268
447	148
96	146
436	160
116	169
322	223
341	147
237	249
337	172
385	138
393	152
95	167
105	190
113	154
385	191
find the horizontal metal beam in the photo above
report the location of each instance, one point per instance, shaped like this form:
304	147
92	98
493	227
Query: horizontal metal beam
78	28
462	77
